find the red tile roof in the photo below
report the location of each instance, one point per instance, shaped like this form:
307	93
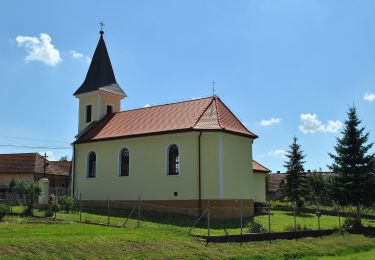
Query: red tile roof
257	167
30	163
200	114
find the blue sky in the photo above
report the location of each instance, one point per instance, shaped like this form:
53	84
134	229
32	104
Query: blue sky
285	68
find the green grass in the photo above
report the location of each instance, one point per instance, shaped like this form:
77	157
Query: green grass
20	239
280	220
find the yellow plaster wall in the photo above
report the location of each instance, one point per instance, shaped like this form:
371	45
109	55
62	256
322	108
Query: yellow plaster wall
109	100
237	166
96	99
260	187
87	99
148	168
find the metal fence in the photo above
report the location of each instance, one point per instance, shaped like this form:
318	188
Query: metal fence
209	221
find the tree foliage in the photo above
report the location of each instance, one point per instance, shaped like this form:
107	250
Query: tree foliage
353	165
31	191
295	187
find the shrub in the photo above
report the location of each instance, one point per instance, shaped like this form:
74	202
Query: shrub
4	209
67	204
31	192
351	223
256	227
52	208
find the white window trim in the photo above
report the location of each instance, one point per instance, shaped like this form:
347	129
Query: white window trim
85	113
167	160
119	162
87	165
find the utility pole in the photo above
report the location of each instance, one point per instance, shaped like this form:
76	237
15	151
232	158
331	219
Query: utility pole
45	164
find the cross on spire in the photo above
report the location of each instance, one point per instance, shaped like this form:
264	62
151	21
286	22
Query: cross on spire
213	87
101	27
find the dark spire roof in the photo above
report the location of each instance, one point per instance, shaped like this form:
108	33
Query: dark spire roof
100	75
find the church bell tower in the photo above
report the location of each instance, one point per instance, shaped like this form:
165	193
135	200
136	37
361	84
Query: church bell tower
99	94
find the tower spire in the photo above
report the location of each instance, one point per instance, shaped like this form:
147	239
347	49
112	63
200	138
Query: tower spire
100	75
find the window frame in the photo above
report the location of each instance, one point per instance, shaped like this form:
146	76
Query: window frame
91	108
88	165
120	162
167	159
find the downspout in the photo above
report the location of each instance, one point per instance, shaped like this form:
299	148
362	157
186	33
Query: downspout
199	175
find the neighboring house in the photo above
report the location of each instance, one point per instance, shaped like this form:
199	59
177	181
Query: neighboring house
28	167
274	186
178	155
260	181
277	180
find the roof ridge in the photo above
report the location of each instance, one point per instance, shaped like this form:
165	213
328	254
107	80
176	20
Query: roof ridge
202	113
230	111
218	113
164	104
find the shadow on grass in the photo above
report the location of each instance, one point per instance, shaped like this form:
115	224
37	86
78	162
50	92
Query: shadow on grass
167	218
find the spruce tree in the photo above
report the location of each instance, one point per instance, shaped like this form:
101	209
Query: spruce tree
353	166
295	186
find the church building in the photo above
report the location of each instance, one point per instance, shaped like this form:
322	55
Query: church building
177	156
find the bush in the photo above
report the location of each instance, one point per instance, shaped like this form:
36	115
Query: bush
278	203
31	192
67	204
4	210
256	227
351	223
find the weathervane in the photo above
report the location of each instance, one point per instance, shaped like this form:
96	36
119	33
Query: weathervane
101	27
213	88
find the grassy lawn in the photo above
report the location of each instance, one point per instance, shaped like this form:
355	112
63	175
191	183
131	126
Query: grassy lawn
19	239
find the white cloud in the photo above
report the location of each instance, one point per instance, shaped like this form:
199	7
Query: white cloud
369	96
277	153
75	54
39	49
50	155
274	153
244	123
147	105
311	124
271	121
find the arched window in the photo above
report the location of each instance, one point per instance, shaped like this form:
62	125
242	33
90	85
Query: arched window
91	165
124	162
173	160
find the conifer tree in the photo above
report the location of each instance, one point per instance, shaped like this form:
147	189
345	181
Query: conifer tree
353	166
295	186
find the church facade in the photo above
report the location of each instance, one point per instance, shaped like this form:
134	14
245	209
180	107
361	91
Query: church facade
179	156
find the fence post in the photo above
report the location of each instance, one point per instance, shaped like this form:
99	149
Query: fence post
295	218
139	209
241	214
80	207
318	215
338	213
269	218
208	218
107	210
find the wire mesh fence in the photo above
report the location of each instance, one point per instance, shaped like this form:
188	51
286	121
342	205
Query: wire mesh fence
210	220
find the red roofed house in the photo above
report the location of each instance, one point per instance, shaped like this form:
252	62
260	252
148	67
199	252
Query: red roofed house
179	155
28	167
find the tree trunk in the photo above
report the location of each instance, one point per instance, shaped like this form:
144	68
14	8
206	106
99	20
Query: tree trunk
358	212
